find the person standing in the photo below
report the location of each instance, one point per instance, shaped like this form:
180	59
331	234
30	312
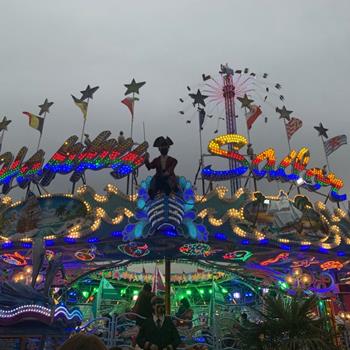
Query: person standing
159	331
143	306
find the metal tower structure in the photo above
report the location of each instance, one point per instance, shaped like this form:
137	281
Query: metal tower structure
231	127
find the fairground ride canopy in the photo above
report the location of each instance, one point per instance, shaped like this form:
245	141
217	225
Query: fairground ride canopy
249	234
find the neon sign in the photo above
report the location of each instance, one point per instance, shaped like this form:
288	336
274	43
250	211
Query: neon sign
72	157
332	264
239	255
16	259
279	257
264	165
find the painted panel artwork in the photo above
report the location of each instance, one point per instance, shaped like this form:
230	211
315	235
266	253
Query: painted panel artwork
45	216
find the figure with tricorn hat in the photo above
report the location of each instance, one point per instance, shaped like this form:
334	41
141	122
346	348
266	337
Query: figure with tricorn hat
164	181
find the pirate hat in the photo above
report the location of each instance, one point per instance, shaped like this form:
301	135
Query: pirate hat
161	142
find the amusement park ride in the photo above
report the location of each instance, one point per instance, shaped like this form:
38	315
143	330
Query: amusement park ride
241	236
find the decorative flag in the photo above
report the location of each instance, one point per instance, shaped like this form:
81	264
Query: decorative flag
158	281
293	126
1	139
83	106
129	102
334	143
35	121
201	118
251	117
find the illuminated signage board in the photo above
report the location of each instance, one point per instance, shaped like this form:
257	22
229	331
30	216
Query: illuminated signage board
72	157
264	165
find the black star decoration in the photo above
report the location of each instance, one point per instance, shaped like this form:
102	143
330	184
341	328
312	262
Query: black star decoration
284	113
88	92
198	98
134	87
4	123
245	100
322	131
45	107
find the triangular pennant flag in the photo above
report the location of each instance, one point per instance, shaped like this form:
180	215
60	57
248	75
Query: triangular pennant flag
158	281
129	102
83	106
35	121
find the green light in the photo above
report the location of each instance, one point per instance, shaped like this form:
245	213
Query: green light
95	290
85	293
224	290
188	292
201	291
210	291
123	291
283	285
135	292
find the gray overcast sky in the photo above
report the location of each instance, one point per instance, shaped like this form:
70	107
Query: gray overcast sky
55	48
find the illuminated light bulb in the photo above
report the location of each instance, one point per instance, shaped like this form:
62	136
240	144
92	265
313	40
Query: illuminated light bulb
39	279
28	269
297	272
290	279
306	279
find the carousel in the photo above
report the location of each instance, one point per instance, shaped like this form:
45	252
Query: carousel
71	261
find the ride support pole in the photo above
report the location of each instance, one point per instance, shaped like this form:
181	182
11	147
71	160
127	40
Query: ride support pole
167	286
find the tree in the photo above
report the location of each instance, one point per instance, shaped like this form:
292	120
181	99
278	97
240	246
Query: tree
288	324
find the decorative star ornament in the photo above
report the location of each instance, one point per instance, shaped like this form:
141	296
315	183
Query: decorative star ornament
245	100
198	98
284	113
88	92
133	87
4	123
45	107
322	131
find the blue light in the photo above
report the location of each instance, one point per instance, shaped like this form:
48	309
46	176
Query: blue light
93	240
208	173
49	242
304	247
169	233
264	241
220	236
26	244
7	245
340	253
245	241
285	247
70	240
199	339
117	234
323	250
